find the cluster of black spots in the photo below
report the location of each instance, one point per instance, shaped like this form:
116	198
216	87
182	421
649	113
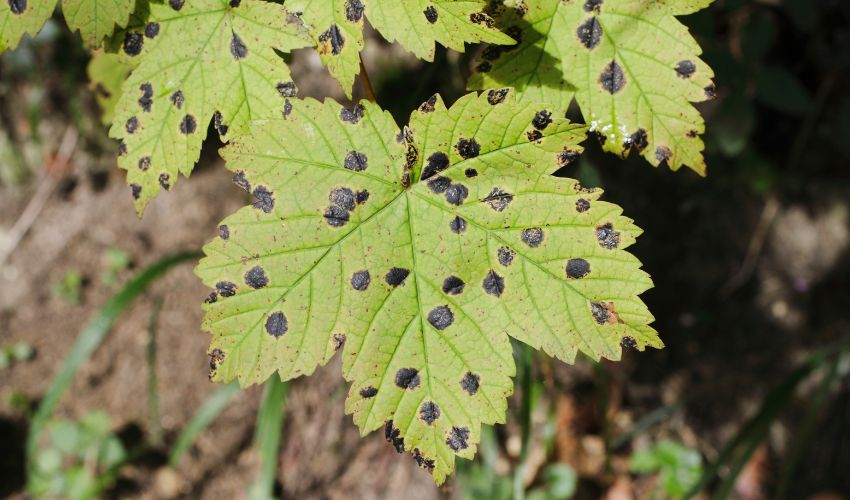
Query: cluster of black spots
481	18
144	163
582	205
343	202
122	147
663	154
470	383
607	237
265	199
133	43
188	125
216	359
151	30
532	236
226	288
235	3
165	181
491	52
224	232
505	255
393	436
407	378
242	181
429	412
498	199
212	298
430	14
493	284
332	39
354	115
132	125
277	324
146	99
468	148
439	184
534	135
338	340
441	317
567	157
457	225
637	141
421	461
356	161
396	276
430	105
456	194
368	392
238	48
470	173
435	163
176	4
286	89
599	312
590	33
287	108
577	268
710	91
361	197
453	285
592	6
256	278
497	96
136	190
542	119
612	78
458	439
692	134
18	6
218	123
628	342
685	69
177	99
354	10
360	280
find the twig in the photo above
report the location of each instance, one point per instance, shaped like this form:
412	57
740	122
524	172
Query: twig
366	83
53	171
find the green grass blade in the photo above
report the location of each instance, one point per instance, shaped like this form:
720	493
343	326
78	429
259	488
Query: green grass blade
205	415
267	438
92	336
154	426
524	368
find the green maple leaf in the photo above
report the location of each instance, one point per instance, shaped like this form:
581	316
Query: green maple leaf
95	19
631	65
420	252
200	60
336	27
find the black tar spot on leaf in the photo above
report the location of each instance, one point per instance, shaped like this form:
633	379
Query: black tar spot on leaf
333	37
481	18
532	236
226	288
710	91
368	392
493	284
470	383
354	10
287	108
566	157
164	181
429	412
265	199
607	237
436	163
122	147
393	436
498	199
497	96
353	116
286	89
441	317
136	190
18	6
429	105
360	280
439	184
188	125
256	278
456	194
176	4
218	123
238	48
133	43
235	3
177	99
342	197
628	342
212	299
240	180
592	5
216	359
277	324
431	14
356	161
407	378
453	285
582	205
470	173
577	268
146	99
361	197
151	30
144	163
468	148
599	312
505	256
338	341
396	276
425	463
685	69
542	120
590	32
612	78
225	232
132	125
336	216
457	225
458	439
534	135
663	154
638	141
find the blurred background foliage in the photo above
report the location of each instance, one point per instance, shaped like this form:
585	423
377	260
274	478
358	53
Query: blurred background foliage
750	399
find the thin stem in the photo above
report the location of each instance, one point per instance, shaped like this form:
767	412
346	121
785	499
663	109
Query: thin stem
366	83
525	420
